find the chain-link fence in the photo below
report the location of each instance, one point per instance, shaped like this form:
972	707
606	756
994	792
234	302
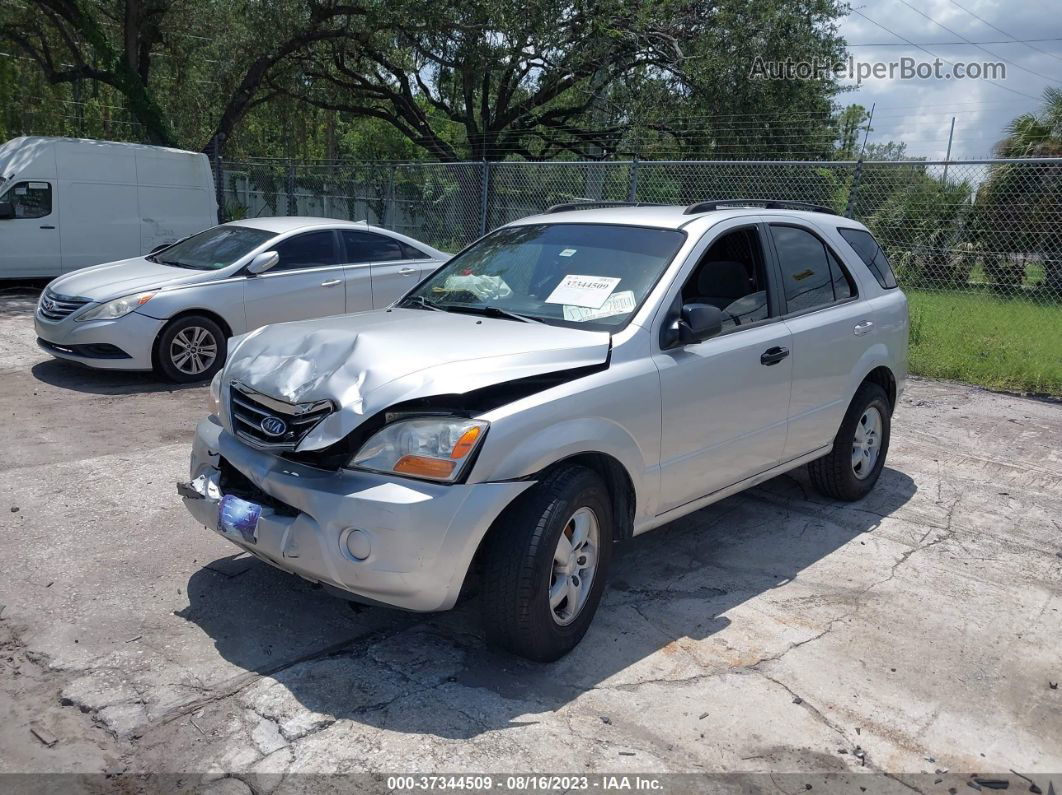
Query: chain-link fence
976	225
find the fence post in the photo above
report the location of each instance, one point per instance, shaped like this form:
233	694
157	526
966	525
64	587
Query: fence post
484	197
219	177
632	186
290	188
853	194
389	198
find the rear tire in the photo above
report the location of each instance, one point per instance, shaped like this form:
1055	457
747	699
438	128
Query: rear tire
191	348
538	596
852	468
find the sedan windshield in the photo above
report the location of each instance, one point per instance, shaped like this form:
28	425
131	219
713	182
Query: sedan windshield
213	249
584	275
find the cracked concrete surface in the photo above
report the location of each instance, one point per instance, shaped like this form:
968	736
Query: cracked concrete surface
775	631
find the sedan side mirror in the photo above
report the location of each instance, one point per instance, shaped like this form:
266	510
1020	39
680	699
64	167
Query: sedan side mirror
698	322
7	210
263	262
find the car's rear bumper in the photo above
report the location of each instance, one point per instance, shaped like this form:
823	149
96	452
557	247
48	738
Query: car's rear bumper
122	344
420	537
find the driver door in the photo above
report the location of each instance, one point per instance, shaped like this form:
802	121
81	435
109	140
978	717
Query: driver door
30	240
308	282
724	400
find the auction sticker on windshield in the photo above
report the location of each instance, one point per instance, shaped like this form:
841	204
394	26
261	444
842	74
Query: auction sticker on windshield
617	304
588	291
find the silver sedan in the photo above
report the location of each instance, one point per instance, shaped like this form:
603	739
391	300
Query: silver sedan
174	310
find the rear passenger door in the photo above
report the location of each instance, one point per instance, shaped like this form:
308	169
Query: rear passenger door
394	266
830	333
306	283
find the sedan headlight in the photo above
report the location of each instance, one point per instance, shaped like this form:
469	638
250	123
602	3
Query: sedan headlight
215	394
119	307
436	448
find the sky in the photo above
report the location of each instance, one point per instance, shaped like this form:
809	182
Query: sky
920	111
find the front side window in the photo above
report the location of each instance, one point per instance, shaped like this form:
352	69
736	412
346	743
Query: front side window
30	199
371	247
591	276
212	249
811	275
870	252
731	276
309	250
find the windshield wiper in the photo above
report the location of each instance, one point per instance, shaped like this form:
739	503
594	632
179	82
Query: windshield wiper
420	301
489	311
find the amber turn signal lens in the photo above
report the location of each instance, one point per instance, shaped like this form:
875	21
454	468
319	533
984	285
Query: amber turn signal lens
425	467
465	443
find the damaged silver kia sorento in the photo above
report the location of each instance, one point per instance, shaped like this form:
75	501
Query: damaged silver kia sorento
567	382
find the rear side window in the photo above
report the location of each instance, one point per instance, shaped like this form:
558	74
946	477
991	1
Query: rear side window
811	274
30	199
309	250
370	247
870	252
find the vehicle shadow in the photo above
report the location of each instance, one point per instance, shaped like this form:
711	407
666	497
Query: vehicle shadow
81	378
433	674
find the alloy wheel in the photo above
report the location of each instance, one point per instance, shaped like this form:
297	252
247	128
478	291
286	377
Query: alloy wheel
866	444
193	350
574	566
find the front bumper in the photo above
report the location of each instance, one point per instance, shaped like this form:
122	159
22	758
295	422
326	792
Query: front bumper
133	335
422	536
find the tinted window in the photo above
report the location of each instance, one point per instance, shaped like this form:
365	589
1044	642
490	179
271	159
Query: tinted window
870	252
212	249
585	275
310	250
30	199
805	269
730	276
408	252
369	247
843	286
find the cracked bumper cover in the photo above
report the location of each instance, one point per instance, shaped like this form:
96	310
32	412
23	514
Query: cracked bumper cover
423	535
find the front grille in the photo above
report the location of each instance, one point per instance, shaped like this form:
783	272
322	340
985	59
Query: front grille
54	306
253	413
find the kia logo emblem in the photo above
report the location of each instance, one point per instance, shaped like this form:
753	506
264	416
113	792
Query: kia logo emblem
273	426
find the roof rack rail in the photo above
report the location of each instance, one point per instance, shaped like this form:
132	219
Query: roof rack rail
586	204
767	204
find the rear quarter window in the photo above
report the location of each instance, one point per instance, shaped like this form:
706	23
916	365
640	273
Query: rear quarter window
873	257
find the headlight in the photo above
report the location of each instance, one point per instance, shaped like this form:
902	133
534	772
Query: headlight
436	448
119	307
215	394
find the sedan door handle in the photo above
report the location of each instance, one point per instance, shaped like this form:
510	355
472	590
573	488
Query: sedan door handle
773	355
330	283
862	328
407	271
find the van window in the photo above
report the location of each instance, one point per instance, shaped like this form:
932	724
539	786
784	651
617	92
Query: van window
30	199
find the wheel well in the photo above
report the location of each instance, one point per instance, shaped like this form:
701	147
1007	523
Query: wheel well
883	377
617	481
186	313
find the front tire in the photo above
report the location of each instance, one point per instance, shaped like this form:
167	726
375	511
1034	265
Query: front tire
852	468
545	565
191	348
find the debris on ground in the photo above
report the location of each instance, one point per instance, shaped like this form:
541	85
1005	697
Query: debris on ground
45	736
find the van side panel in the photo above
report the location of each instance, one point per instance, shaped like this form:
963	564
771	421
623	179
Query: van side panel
100	222
176	196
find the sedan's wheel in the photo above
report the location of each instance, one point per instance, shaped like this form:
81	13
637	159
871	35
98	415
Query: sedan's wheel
545	563
191	348
852	468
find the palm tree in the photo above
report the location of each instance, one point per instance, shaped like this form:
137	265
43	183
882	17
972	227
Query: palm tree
1019	207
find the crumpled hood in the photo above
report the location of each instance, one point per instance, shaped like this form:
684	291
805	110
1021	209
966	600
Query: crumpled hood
370	361
115	279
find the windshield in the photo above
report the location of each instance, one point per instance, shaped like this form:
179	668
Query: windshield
584	275
213	249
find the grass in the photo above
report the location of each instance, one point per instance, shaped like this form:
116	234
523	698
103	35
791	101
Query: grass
1011	344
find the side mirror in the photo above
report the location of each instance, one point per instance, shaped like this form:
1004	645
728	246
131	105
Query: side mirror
263	262
698	322
7	210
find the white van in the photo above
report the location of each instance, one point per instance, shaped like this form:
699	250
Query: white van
66	203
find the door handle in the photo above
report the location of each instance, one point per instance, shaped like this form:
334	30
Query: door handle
47	227
407	271
773	355
330	283
862	328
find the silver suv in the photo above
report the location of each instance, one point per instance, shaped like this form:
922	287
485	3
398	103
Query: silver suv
569	381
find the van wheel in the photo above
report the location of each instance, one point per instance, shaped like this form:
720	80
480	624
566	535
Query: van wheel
852	468
191	348
545	565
